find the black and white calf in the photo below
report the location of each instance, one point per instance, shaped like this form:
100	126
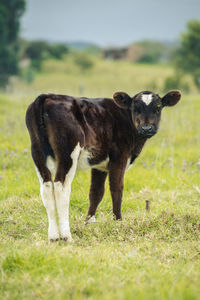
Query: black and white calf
69	133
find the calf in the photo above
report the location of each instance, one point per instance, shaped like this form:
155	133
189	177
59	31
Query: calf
69	133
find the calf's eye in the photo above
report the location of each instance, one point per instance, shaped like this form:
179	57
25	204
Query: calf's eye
156	110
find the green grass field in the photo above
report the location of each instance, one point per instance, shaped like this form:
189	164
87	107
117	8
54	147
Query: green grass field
153	255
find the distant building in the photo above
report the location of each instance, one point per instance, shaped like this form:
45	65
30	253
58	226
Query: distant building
114	53
130	53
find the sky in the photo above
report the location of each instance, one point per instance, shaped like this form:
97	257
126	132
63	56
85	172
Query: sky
107	23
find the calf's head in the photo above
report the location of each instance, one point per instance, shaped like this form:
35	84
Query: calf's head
145	108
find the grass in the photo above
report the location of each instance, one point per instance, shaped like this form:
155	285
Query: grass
153	255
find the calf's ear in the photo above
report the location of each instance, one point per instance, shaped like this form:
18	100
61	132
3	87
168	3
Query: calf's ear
122	99
171	98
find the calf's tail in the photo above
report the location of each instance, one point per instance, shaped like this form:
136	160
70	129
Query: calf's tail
36	127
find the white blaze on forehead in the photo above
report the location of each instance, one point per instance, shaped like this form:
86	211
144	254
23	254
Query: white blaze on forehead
147	98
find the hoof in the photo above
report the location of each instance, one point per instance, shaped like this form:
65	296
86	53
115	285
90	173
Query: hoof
66	239
90	220
53	240
53	234
117	218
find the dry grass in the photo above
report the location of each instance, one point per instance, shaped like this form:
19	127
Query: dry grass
151	255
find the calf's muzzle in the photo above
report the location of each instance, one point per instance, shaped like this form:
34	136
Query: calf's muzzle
147	130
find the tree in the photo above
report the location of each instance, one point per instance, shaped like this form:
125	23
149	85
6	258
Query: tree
188	55
37	51
10	13
57	51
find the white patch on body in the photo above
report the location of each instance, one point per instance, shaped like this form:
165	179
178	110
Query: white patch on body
147	98
102	166
47	195
62	196
83	162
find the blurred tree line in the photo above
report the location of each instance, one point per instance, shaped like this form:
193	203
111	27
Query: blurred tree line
37	51
24	58
34	53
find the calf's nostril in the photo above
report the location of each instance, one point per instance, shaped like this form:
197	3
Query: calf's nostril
147	128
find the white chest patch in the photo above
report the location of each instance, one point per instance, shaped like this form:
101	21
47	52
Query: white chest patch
147	98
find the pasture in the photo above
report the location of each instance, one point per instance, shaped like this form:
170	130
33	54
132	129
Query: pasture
153	255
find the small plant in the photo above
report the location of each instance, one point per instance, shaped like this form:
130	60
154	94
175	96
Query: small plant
83	61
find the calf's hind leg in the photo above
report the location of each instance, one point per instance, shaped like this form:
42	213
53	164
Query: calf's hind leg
97	189
47	193
62	189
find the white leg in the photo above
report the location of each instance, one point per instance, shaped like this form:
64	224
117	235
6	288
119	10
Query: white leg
62	196
47	195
